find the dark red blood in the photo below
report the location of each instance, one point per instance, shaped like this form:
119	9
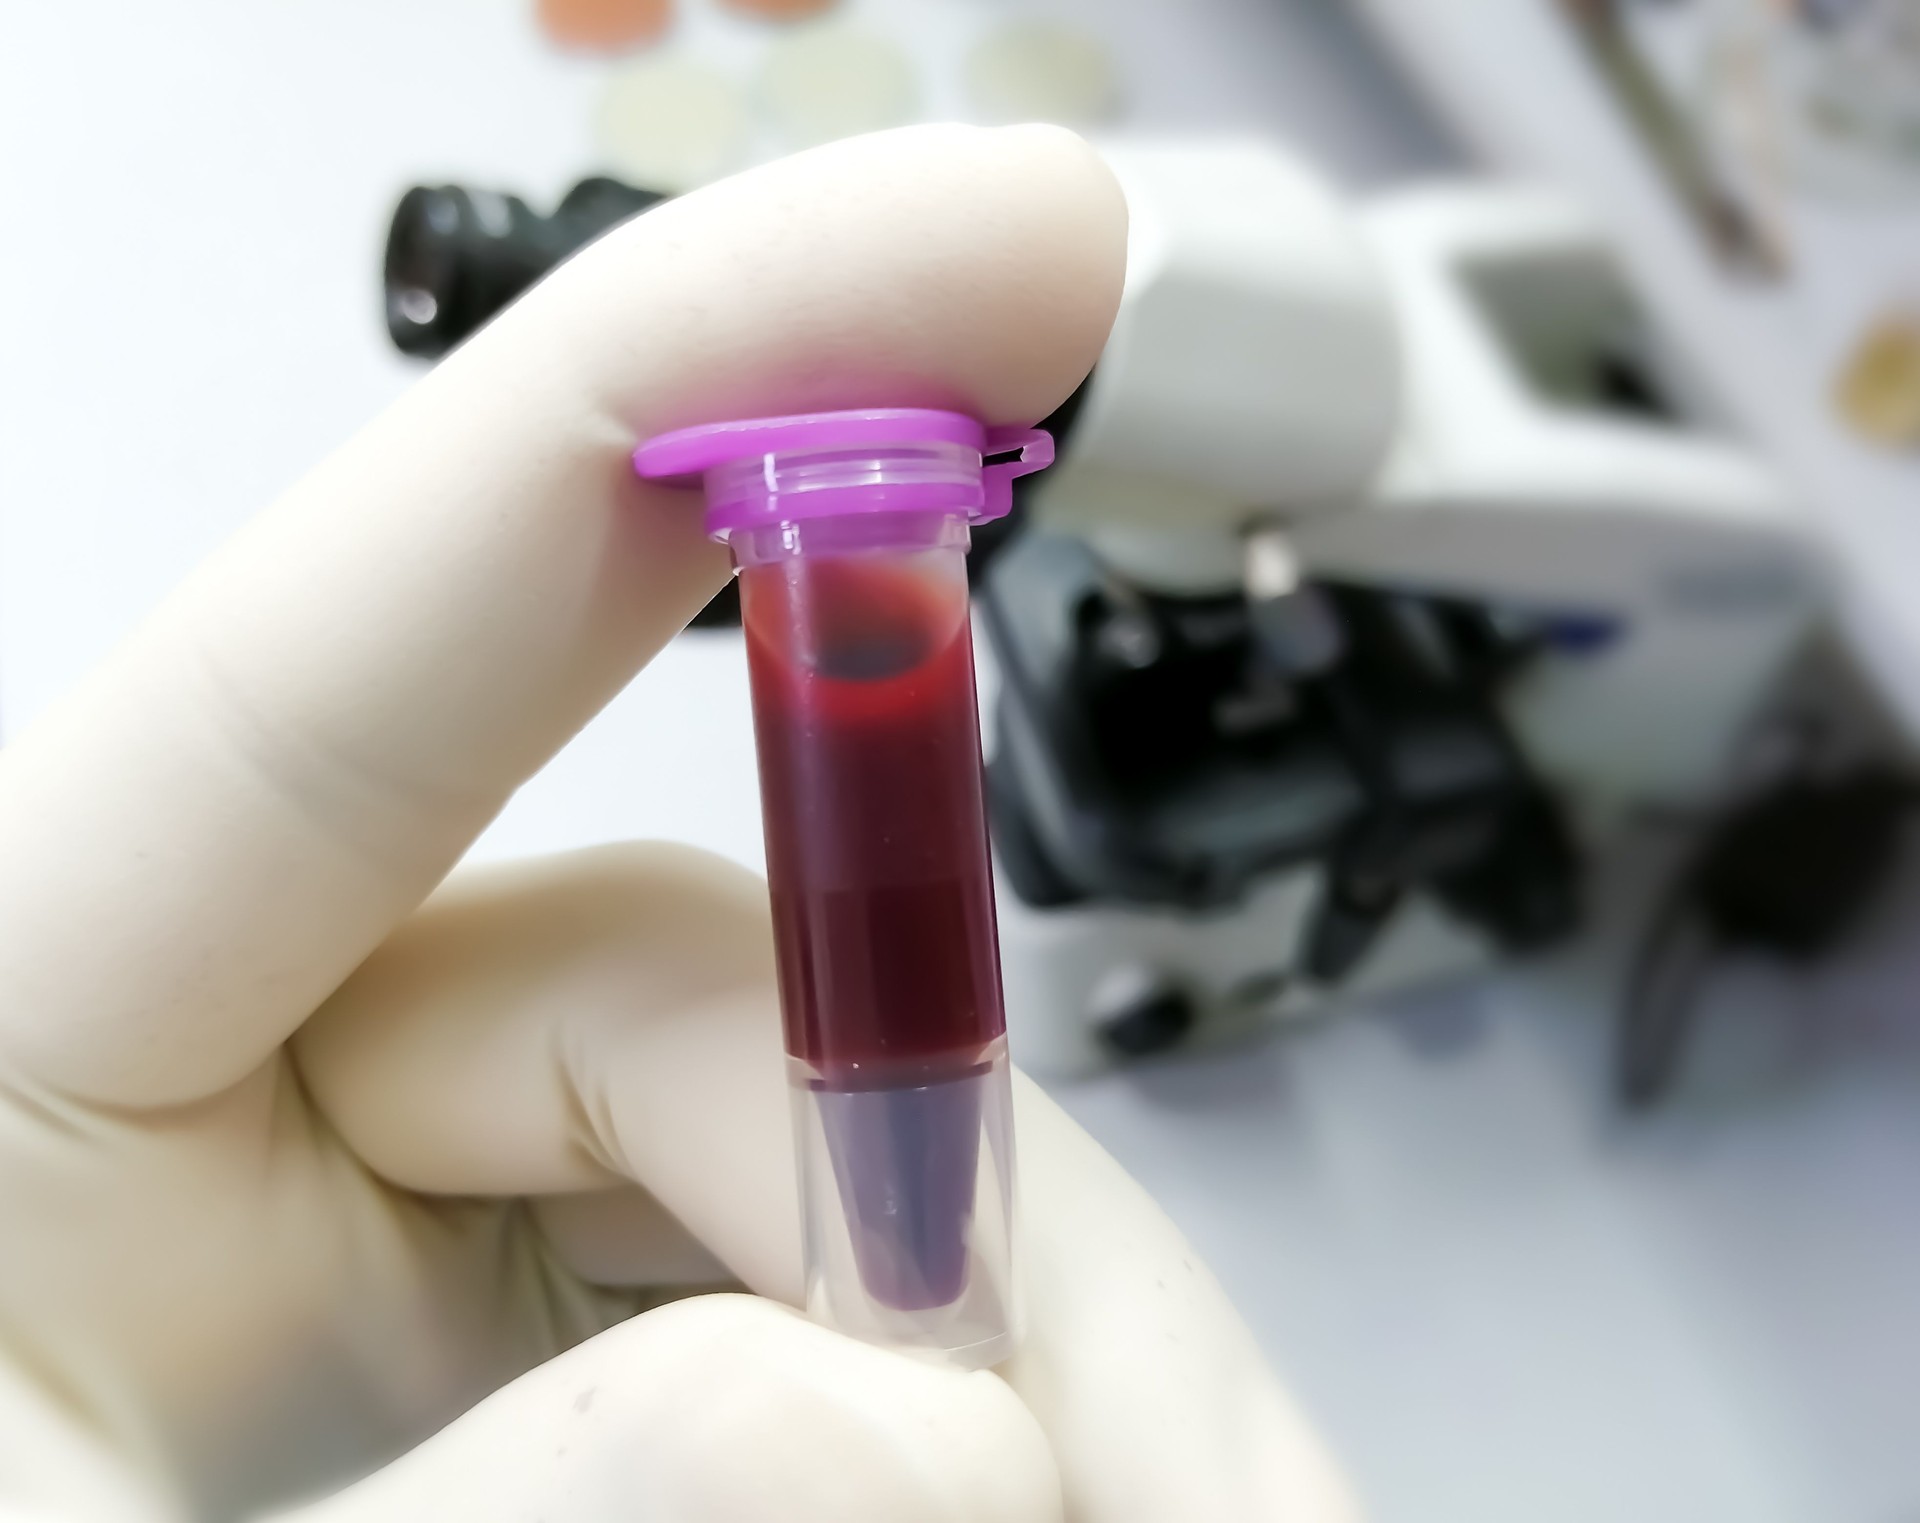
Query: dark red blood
870	782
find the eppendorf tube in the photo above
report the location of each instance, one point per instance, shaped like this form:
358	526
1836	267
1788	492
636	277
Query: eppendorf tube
849	533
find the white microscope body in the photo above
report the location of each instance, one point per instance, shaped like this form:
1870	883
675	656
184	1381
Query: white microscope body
1442	392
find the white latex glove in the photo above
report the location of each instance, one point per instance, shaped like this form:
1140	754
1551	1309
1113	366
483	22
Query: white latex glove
296	1170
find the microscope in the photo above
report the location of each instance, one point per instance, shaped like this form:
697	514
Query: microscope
1390	563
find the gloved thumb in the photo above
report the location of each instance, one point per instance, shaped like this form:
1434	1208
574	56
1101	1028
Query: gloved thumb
723	1409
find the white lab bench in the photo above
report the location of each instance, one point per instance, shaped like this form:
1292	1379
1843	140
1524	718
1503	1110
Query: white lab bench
1502	1300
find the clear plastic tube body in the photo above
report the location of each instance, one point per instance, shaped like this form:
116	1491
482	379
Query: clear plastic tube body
861	661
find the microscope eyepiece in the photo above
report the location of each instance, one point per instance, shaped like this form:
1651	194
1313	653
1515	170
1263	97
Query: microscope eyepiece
456	256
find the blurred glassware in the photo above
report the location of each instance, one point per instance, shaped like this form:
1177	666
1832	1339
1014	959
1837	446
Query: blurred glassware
832	80
781	10
604	26
671	121
1855	67
1042	71
1878	393
1824	94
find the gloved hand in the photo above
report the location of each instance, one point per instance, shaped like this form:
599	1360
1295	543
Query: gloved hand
296	1169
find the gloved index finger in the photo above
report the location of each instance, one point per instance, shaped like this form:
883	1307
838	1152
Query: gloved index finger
229	815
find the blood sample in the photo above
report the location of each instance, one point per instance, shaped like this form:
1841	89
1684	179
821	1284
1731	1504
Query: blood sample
849	532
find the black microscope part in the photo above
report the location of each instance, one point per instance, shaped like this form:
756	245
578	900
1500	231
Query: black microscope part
1451	804
456	256
1787	873
1152	751
1523	886
1156	1021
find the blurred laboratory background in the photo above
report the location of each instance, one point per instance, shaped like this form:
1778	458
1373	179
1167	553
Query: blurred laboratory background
1452	712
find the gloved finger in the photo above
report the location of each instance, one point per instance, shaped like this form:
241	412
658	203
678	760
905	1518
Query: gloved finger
564	1024
611	1013
59	1466
1155	1397
210	834
723	1409
625	1239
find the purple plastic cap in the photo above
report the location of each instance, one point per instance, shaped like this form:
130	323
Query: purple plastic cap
686	456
